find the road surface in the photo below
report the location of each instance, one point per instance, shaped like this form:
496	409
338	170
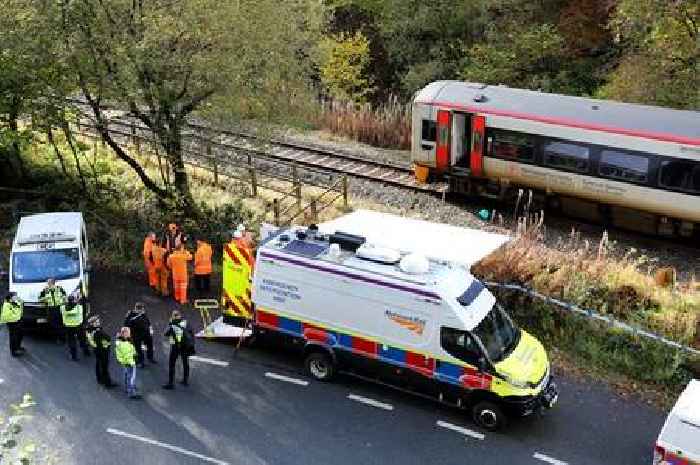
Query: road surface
260	408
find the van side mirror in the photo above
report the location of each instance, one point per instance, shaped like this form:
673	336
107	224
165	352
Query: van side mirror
482	364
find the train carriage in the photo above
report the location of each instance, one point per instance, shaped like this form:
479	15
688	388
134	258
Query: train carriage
631	166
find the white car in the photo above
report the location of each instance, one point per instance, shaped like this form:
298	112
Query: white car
679	440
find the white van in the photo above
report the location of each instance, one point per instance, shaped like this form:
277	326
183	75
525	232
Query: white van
679	440
400	318
48	245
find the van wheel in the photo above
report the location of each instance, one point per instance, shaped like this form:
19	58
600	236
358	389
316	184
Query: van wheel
489	416
320	366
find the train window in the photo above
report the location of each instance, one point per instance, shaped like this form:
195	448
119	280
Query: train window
566	156
681	175
624	166
429	130
511	145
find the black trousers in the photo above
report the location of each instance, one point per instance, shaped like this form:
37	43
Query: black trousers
71	334
76	335
15	336
55	321
202	283
102	366
139	341
175	352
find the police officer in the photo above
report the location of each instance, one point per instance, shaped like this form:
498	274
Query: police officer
141	333
100	342
176	334
54	297
11	314
72	315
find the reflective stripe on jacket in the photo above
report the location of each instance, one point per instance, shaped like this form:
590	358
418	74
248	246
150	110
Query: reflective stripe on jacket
202	259
177	262
72	317
53	297
126	353
11	312
176	330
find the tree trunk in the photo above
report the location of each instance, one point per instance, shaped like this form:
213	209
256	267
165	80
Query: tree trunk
183	195
15	150
49	135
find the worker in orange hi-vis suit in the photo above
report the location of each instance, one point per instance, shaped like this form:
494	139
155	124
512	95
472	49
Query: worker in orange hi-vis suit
177	262
202	268
148	259
162	272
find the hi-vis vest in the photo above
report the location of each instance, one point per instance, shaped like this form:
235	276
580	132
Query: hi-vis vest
237	271
72	317
11	312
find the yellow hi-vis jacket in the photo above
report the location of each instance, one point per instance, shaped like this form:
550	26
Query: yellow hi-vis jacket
11	312
126	353
72	317
237	271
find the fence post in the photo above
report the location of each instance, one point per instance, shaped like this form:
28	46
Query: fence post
133	133
216	165
253	176
345	193
276	211
314	211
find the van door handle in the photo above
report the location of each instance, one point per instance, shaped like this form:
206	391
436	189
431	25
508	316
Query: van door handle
426	147
270	261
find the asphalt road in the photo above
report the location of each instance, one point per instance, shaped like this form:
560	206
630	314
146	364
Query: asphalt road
243	413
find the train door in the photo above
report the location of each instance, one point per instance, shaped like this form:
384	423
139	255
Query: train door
442	149
461	140
476	159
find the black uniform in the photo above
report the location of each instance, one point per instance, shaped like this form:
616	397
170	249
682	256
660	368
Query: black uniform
101	343
140	327
15	332
175	331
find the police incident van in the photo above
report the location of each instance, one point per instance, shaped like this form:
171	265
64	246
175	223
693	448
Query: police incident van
399	317
48	245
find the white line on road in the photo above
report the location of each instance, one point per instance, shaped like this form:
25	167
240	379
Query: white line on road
153	442
548	459
372	402
288	379
461	429
210	361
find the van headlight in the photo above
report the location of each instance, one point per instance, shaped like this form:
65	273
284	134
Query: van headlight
514	382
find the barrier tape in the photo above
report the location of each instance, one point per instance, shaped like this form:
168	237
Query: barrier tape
636	331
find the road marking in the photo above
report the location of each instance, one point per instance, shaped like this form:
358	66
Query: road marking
548	459
288	379
210	361
372	402
461	429
170	447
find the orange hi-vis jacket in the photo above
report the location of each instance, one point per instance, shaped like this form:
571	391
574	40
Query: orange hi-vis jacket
202	259
177	262
158	255
147	249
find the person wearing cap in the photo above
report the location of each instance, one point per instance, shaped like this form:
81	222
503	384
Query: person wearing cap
100	342
202	267
11	315
72	314
148	262
177	262
176	335
141	332
126	356
53	297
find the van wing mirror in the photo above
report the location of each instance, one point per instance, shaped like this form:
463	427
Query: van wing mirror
483	364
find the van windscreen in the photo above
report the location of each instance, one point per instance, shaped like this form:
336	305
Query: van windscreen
39	266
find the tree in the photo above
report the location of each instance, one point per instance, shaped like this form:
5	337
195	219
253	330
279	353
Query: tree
164	60
345	60
30	74
659	39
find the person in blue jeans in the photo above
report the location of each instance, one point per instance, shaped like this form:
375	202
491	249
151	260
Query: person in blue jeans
126	356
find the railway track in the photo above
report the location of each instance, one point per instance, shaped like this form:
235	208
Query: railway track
315	158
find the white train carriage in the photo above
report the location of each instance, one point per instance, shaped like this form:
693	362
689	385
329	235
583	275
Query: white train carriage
632	166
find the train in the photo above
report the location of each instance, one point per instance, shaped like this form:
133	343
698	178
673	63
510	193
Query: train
630	166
